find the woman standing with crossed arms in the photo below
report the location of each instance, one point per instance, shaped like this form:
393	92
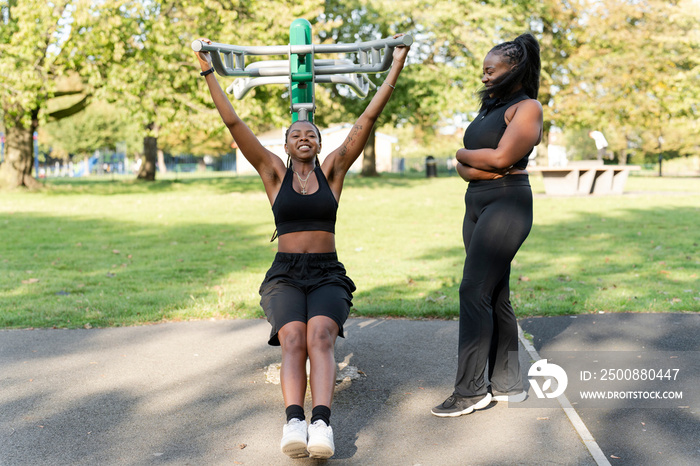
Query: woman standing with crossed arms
498	218
306	294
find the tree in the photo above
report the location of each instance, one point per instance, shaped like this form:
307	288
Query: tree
440	75
634	75
99	126
40	43
350	22
160	84
556	25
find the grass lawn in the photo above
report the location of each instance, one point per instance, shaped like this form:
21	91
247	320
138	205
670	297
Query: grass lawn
117	252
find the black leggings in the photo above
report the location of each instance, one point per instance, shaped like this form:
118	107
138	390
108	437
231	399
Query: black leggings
498	219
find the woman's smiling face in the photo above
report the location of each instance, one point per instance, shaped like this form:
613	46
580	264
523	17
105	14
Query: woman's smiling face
495	69
303	139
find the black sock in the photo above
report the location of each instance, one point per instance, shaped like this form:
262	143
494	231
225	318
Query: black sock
322	413
295	412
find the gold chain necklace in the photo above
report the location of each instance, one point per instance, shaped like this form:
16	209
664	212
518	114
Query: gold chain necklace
303	182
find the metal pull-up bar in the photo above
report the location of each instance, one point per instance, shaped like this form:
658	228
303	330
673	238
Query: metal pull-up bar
371	59
300	70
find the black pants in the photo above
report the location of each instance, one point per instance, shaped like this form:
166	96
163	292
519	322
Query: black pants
498	218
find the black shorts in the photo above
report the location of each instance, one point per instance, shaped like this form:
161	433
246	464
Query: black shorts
301	286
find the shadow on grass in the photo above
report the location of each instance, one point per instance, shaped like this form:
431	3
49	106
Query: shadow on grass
71	271
408	297
181	271
225	183
634	260
642	259
107	187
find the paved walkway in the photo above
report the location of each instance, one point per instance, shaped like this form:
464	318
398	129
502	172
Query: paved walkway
195	393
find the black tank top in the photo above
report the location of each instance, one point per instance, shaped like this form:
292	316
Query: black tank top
487	129
305	212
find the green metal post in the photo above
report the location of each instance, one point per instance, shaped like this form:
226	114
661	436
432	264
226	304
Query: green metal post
301	73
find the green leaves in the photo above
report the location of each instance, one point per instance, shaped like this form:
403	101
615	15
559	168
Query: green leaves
625	67
634	74
100	125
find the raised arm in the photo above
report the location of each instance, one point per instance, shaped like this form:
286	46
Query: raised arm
338	162
524	132
268	165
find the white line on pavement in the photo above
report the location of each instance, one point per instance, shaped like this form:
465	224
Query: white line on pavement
583	432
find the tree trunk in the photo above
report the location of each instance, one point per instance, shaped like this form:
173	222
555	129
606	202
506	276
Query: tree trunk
150	154
16	170
622	157
369	161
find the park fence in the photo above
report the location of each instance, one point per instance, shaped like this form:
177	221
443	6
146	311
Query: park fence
109	163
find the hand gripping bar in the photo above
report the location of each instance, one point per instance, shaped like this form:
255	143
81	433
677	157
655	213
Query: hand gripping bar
230	59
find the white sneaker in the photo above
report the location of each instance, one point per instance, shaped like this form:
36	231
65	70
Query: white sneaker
294	439
511	398
320	440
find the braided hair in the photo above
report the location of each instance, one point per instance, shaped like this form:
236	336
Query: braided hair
524	53
286	136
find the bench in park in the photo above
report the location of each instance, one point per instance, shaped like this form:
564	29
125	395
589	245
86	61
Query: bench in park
585	177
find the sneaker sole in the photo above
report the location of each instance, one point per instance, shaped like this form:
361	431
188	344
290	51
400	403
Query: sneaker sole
320	452
519	398
295	450
480	405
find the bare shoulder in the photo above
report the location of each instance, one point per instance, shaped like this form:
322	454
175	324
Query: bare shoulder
528	105
534	104
528	108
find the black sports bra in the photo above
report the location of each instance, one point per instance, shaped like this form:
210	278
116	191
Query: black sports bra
305	212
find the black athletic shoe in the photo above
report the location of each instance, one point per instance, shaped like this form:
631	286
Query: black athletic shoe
457	405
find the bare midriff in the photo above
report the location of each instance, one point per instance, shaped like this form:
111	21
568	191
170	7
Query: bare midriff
304	242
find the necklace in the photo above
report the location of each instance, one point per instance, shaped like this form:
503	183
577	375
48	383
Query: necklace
303	182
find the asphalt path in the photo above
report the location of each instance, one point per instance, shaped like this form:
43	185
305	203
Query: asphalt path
198	393
661	433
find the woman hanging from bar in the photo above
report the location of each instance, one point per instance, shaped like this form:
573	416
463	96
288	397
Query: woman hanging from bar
306	294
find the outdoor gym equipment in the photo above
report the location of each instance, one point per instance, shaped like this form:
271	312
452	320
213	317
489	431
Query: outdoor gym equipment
301	71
